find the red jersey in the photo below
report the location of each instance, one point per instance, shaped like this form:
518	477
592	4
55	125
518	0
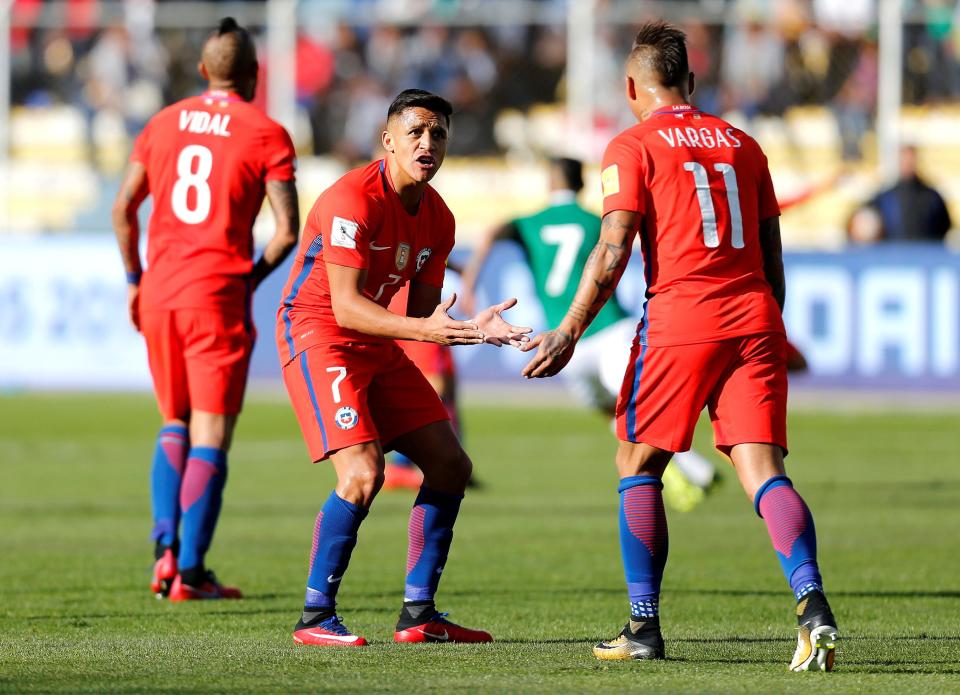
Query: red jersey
702	187
359	222
208	159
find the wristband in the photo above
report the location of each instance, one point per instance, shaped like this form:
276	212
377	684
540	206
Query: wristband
134	278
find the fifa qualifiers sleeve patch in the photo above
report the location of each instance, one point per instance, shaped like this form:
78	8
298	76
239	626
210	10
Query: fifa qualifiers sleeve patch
610	180
344	233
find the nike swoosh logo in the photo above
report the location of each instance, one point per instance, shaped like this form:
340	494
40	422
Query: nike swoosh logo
442	638
335	638
374	247
333	580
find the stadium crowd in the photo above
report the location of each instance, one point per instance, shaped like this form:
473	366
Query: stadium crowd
756	58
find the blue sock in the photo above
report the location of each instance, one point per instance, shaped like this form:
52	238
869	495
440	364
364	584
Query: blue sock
430	532
399	459
643	542
169	458
791	529
334	536
200	498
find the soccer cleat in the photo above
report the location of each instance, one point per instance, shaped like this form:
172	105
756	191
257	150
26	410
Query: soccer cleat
164	570
327	633
211	589
818	634
679	493
637	640
439	629
396	477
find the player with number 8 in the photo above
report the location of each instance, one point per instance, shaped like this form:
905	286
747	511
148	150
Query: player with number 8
207	162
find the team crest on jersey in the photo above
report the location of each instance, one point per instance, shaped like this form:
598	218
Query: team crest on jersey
346	418
610	180
422	258
403	255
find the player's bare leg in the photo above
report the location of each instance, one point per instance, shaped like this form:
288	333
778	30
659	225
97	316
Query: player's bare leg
763	477
359	471
686	482
643	546
166	475
446	473
437	451
212	429
201	496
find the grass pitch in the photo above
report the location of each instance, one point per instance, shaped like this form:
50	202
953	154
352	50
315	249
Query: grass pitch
535	561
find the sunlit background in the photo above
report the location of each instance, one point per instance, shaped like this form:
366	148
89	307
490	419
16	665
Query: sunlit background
832	89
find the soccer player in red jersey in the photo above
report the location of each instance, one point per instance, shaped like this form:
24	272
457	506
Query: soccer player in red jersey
699	193
436	363
207	161
354	391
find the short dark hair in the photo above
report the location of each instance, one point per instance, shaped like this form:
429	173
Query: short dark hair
420	98
571	170
235	57
663	47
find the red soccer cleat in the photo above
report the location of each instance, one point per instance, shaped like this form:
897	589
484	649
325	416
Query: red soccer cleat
330	633
439	629
210	589
401	477
164	570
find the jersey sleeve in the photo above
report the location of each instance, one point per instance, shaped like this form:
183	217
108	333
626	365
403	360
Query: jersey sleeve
766	196
141	147
345	221
281	157
435	265
621	177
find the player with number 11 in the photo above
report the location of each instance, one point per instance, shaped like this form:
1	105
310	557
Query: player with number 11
698	193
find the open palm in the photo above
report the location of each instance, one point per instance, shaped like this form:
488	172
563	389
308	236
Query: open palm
496	330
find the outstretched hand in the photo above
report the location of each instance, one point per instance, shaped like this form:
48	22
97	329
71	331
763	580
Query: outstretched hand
555	350
440	328
496	330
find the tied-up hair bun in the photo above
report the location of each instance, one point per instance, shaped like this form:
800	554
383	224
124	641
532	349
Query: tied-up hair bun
227	26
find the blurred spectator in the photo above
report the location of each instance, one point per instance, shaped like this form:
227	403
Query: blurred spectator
704	58
753	62
856	101
910	210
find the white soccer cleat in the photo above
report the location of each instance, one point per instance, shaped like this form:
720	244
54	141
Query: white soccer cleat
817	636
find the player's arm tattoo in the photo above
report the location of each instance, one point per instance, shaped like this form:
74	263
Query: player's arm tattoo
555	343
286	213
603	269
772	250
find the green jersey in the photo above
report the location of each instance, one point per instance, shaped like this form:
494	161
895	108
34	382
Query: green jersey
557	241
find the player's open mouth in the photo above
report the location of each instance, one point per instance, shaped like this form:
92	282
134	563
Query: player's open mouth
426	161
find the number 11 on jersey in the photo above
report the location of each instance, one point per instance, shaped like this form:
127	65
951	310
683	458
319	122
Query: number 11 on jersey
711	236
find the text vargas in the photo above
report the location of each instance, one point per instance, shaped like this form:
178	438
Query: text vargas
699	137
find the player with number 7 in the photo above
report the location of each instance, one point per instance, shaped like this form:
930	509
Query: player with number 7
207	162
355	392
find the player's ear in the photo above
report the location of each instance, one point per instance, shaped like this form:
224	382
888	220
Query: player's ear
631	89
386	140
253	81
202	69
